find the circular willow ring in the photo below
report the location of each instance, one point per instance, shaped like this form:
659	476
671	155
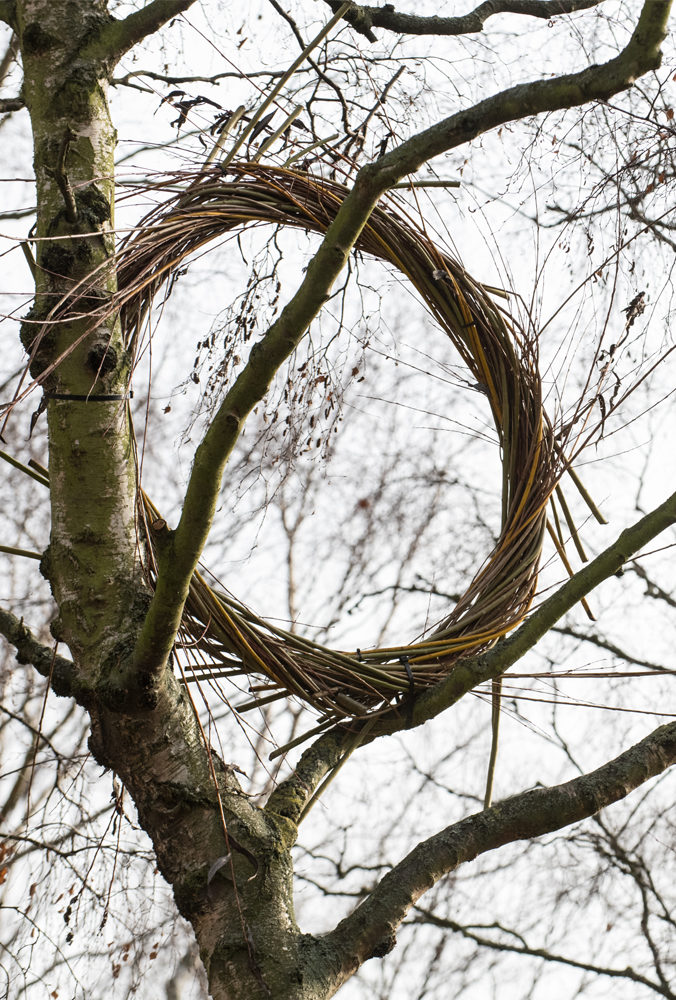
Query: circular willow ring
502	358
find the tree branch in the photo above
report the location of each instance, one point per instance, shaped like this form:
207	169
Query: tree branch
8	58
8	104
652	589
641	54
610	647
468	673
184	546
61	671
363	18
369	930
548	956
117	37
292	795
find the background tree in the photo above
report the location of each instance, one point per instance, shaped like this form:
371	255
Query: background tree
120	609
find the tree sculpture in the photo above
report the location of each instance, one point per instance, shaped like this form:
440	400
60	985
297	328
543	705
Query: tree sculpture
127	585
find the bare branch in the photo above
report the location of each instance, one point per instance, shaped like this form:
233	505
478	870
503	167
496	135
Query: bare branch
45	660
543	953
9	57
621	654
363	18
128	78
8	104
369	930
117	37
652	589
594	83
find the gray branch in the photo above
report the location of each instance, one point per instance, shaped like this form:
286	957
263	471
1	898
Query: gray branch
364	18
369	930
548	956
45	660
117	37
8	104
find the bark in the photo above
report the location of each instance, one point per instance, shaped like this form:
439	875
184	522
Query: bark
228	862
364	18
92	561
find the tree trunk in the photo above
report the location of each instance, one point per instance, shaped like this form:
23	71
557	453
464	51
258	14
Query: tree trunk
93	560
188	800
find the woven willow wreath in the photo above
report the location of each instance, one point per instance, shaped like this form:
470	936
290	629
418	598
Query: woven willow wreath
502	358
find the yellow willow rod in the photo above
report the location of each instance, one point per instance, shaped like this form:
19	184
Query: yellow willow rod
284	80
473	336
529	482
434	644
569	569
570	522
246	645
452	650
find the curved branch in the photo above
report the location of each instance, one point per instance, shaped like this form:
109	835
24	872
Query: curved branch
595	83
118	36
45	660
363	18
369	930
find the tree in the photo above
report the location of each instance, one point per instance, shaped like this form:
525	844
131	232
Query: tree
126	586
